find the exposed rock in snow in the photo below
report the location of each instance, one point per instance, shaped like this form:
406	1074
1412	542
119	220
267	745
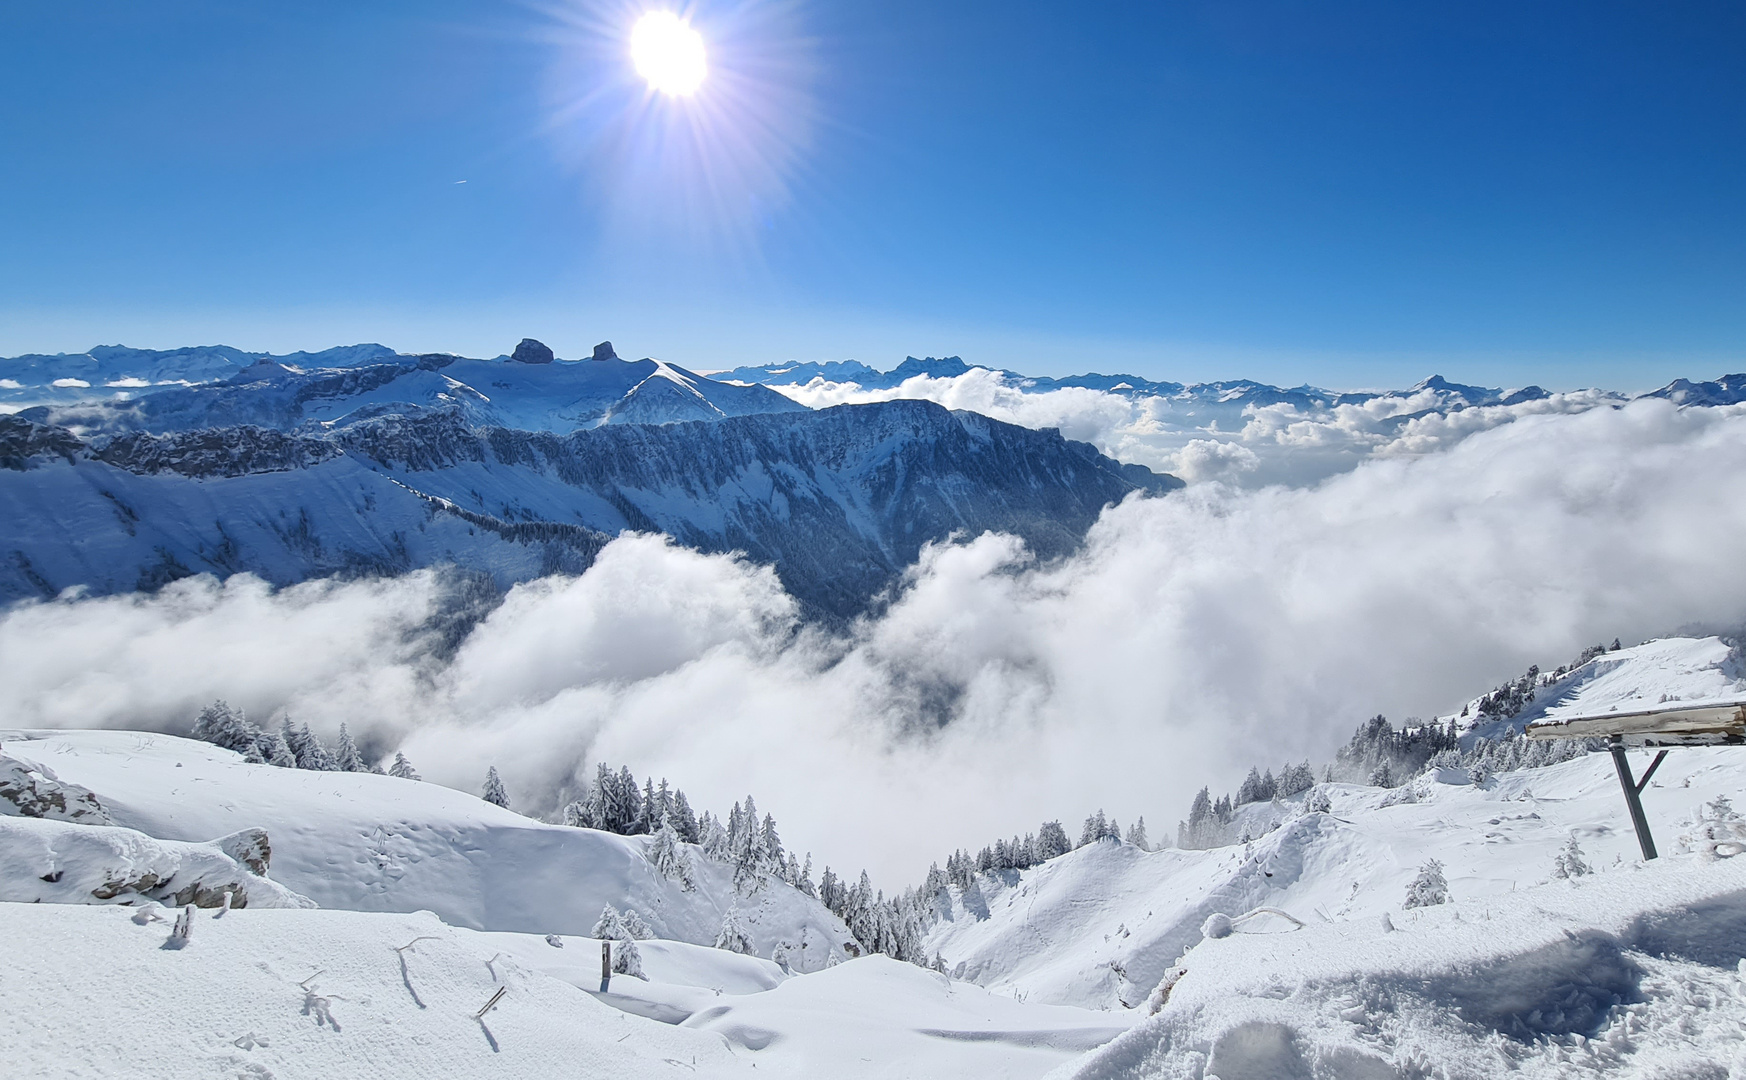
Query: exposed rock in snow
63	863
29	789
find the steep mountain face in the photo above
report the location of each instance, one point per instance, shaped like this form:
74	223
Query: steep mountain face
534	395
839	500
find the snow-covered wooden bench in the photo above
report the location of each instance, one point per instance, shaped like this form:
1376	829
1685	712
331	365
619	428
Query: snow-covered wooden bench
1715	723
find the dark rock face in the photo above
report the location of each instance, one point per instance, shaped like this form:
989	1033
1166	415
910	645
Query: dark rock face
532	352
603	351
838	501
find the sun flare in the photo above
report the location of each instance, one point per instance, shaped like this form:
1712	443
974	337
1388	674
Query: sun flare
668	53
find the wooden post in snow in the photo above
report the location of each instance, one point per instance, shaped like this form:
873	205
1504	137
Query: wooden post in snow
605	966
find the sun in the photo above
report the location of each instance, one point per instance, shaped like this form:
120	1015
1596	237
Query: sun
668	53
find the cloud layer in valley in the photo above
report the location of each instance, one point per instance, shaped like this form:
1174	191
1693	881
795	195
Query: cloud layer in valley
1246	445
1194	635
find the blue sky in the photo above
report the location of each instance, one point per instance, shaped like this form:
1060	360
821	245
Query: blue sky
1341	193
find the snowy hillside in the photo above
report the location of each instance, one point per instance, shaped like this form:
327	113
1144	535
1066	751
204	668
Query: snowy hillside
1112	917
840	500
365	842
451	935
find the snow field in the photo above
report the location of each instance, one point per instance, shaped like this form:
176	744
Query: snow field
320	994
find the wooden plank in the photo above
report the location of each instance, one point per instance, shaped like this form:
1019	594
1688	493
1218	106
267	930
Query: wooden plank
1721	724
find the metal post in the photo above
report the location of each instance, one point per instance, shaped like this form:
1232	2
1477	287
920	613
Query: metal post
1633	793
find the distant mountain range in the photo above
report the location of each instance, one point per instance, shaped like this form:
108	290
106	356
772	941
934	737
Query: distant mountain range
115	389
1728	390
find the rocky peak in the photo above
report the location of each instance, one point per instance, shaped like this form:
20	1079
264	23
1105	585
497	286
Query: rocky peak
603	351
532	352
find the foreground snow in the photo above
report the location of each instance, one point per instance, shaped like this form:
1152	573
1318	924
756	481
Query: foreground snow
1632	973
322	994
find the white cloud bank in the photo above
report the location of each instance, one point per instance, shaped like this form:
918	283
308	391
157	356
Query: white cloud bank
1201	441
1194	635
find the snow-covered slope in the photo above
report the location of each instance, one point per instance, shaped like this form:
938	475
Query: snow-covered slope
1685	669
1101	925
366	842
839	500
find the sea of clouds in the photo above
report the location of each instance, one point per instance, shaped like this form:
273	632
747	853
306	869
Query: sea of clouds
1245	445
1194	635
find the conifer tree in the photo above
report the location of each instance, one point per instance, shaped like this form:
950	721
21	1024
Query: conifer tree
1137	835
1429	888
222	726
732	935
494	793
402	768
668	857
280	754
610	926
346	758
684	820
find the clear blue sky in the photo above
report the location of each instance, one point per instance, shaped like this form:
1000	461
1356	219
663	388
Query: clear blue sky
1343	193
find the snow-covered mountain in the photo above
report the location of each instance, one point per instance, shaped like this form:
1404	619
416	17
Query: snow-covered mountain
530	391
839	500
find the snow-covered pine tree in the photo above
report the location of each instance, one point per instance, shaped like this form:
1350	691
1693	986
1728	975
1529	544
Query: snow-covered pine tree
624	804
346	758
1095	829
1382	776
635	928
1569	862
668	857
1318	801
1137	835
1250	789
1052	841
648	809
610	926
402	768
804	882
1429	888
1295	780
575	814
627	959
684	820
220	725
281	754
307	748
830	892
732	936
494	793
715	842
774	860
